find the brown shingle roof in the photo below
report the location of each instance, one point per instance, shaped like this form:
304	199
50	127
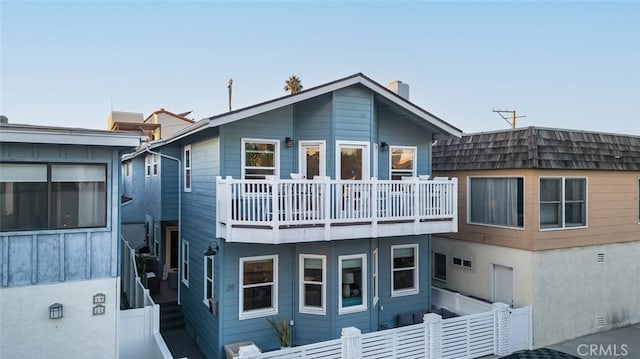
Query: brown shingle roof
535	147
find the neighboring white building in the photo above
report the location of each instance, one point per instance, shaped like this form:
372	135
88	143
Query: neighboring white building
59	236
548	218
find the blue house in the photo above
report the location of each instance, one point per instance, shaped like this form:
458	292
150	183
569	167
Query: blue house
314	208
60	237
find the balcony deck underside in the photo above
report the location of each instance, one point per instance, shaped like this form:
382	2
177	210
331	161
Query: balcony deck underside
267	234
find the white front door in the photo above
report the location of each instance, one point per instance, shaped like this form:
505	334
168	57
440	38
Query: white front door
503	284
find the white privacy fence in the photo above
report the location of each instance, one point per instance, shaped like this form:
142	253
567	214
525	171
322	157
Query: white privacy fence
314	201
458	303
469	336
139	327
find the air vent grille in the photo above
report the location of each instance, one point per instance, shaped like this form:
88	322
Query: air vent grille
600	258
600	322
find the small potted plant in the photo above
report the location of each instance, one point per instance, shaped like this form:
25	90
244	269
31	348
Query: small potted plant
282	330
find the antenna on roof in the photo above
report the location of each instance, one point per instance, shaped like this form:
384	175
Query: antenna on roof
510	119
230	87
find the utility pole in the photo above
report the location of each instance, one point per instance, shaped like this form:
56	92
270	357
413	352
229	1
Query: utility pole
510	119
230	87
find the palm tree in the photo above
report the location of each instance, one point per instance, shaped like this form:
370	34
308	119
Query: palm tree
293	85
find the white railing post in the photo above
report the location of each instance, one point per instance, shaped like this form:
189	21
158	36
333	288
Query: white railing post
275	210
230	209
326	187
454	205
351	343
375	207
502	328
416	206
432	336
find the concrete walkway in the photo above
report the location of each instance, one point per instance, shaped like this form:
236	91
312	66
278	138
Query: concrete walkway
616	343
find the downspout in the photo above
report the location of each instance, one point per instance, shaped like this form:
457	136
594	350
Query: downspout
179	214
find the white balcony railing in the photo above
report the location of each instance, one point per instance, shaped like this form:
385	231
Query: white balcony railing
325	209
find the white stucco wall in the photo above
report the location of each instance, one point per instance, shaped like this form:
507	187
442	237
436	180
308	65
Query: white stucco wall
571	290
478	280
27	332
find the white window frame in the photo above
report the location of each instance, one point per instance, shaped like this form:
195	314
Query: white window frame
308	309
127	168
462	262
563	202
155	164
302	156
415	268
264	312
147	165
363	305
415	159
376	284
156	240
276	155
207	279
524	204
433	271
185	263
366	172
187	156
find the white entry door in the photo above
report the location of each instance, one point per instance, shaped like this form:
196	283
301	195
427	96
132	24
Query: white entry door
352	160
503	284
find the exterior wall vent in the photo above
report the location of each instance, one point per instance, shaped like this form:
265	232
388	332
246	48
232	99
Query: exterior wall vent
600	258
600	322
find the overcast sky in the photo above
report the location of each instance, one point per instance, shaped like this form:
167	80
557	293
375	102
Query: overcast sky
562	64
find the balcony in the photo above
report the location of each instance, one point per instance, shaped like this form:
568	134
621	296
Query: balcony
277	211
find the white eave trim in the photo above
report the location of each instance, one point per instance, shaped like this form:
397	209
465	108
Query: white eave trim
69	137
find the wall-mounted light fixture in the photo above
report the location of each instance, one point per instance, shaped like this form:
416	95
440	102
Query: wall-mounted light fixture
384	146
288	141
211	251
55	311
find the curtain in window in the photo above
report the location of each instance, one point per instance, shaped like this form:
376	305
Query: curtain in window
495	201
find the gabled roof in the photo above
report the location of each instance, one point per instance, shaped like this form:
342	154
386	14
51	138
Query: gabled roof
359	78
19	133
542	148
178	116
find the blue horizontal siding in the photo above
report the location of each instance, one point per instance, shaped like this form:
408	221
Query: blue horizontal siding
274	125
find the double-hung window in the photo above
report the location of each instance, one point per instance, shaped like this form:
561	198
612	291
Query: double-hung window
496	201
208	279
147	165
404	269
258	286
563	202
375	284
403	162
313	289
352	288
260	158
186	159
37	196
155	164
185	263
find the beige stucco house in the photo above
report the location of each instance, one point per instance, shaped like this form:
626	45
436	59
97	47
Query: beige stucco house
548	218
